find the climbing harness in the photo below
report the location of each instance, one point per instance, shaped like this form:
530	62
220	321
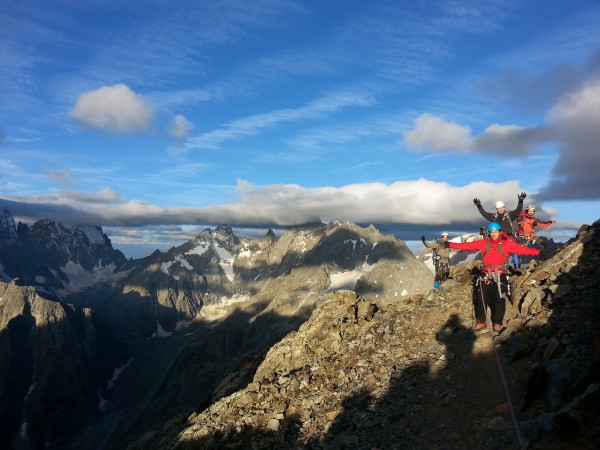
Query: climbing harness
488	321
442	268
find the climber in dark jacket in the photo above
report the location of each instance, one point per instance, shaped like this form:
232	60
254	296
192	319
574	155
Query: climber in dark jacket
441	260
506	219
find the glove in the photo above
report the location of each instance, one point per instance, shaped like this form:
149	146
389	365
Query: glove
477	202
423	238
522	196
444	244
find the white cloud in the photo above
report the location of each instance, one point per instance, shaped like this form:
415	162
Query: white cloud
114	109
435	134
411	203
180	127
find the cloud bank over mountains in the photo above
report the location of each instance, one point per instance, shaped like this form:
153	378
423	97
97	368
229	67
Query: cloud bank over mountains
420	202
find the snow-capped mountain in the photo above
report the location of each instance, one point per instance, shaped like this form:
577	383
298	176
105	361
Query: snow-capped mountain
216	273
58	259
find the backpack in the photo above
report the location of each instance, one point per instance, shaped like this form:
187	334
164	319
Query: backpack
487	248
507	217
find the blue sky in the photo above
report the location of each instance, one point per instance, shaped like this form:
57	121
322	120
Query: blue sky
155	119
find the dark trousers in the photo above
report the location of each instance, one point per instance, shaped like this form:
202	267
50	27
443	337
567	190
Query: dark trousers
486	295
442	269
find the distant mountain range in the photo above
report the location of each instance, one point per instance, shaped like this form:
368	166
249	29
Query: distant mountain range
95	348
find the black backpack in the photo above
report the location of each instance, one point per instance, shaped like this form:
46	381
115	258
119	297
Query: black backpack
505	216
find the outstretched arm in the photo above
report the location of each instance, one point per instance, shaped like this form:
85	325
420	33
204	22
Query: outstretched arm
545	223
470	246
513	247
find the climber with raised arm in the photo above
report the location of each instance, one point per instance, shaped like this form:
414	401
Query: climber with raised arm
506	219
441	258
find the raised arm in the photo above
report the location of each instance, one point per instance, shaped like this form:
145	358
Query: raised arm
427	244
514	214
488	216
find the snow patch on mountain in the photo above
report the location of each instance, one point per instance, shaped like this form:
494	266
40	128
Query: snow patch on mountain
225	257
164	267
160	331
226	262
216	312
94	233
82	279
355	241
246	252
199	250
117	373
348	279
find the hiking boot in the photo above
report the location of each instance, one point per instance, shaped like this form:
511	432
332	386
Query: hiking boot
479	326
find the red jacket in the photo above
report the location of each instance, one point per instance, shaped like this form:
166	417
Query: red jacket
528	223
493	256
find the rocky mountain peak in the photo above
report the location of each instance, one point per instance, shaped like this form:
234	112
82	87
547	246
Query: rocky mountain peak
225	230
54	256
8	230
271	235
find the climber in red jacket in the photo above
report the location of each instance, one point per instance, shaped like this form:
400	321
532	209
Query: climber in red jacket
493	283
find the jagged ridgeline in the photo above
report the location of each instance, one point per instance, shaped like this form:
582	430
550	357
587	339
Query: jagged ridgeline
96	349
414	375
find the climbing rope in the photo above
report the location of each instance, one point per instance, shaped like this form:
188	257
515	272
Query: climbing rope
488	322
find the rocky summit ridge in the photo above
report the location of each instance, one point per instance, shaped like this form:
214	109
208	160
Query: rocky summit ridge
412	374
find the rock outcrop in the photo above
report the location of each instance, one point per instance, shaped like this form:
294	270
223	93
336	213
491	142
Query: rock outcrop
54	359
